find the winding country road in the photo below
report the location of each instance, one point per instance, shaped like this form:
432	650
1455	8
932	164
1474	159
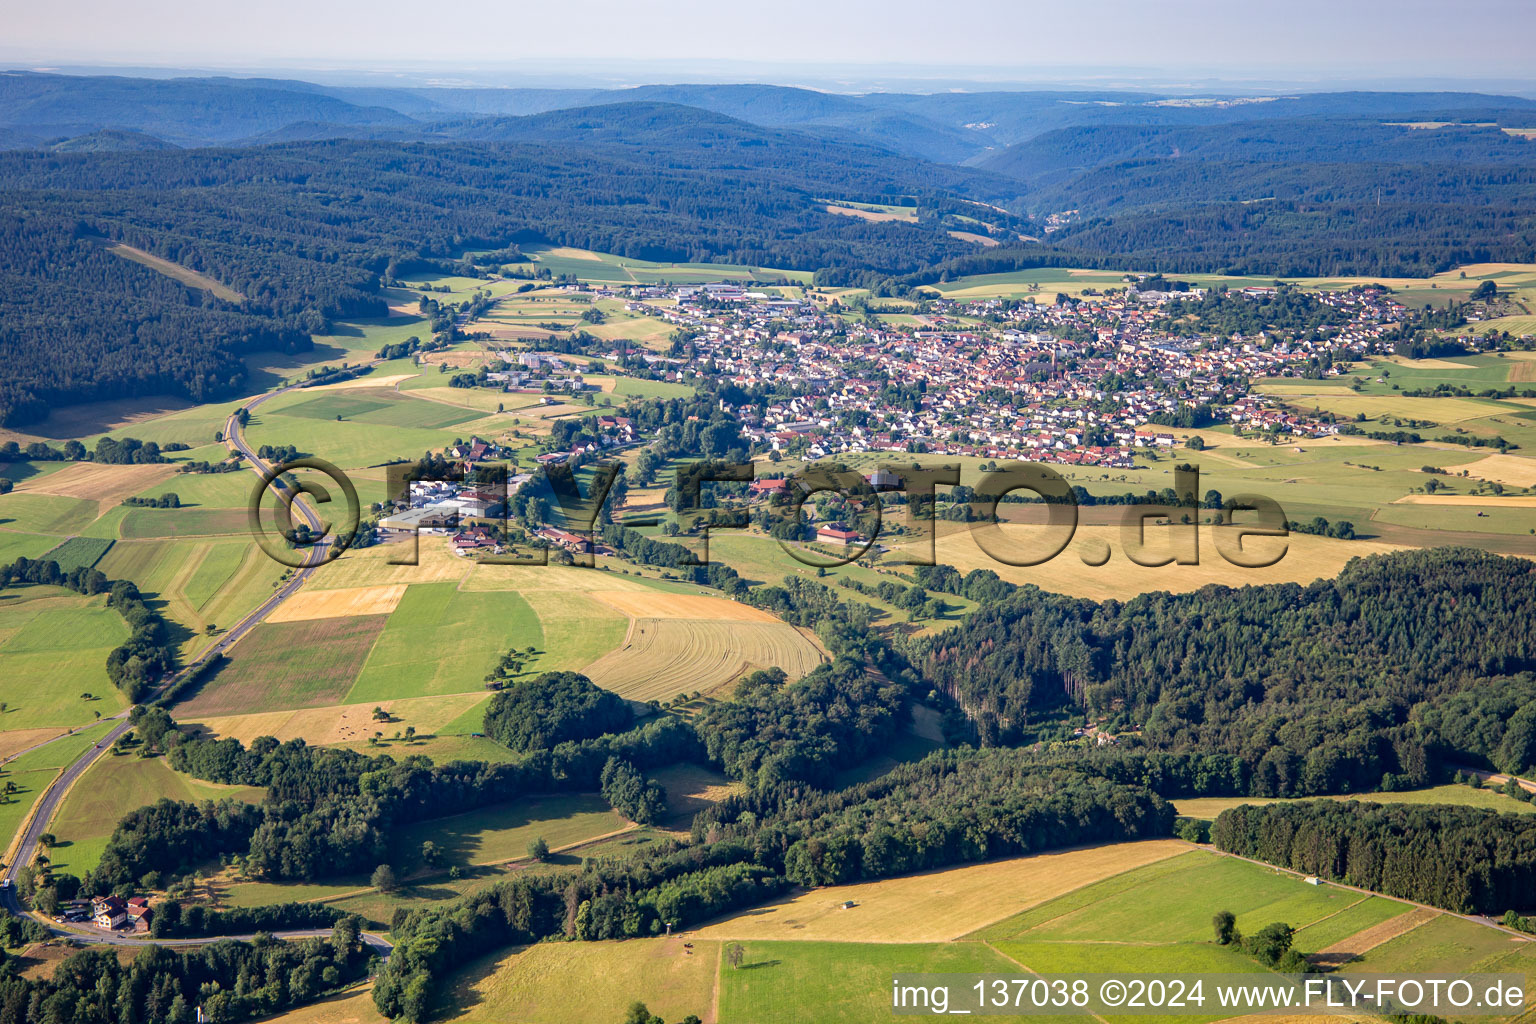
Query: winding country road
47	804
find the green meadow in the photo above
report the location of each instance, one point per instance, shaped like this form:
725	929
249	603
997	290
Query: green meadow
55	646
442	640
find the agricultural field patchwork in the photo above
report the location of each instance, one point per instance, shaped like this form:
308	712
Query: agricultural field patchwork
942	905
281	666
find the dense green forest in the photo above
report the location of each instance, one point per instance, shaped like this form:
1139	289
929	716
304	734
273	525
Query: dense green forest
1315	689
307	232
230	981
78	323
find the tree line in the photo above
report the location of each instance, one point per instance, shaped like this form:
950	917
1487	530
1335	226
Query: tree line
229	981
1468	860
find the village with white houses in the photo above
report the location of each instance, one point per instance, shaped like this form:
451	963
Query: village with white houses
1094	380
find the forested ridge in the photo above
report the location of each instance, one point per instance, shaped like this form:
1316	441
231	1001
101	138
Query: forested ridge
306	232
1314	689
78	323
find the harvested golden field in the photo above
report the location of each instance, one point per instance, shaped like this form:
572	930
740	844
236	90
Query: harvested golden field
564	982
339	604
175	271
14	741
939	906
1483	500
388	381
690	789
642	603
354	1006
661	658
971	236
869	215
539	578
1428	364
106	485
1306	558
1504	469
341	723
370	567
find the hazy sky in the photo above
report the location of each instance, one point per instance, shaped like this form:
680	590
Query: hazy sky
986	39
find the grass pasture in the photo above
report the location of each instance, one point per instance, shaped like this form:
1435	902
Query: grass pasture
112	787
441	640
353	723
939	906
1305	558
1447	943
794	982
51	514
502	832
54	644
34	771
283	666
1363	915
1172	901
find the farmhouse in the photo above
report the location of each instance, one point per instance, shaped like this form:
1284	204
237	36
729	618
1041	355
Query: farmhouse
835	533
565	539
769	486
421	519
109	912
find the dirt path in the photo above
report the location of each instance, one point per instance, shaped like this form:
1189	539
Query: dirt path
1362	942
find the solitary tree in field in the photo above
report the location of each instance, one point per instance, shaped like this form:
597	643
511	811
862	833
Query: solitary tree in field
538	849
430	852
384	879
734	953
1225	923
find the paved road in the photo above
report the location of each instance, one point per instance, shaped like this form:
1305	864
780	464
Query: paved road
47	804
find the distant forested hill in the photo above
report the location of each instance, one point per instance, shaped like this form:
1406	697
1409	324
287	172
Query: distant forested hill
306	231
1277	690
